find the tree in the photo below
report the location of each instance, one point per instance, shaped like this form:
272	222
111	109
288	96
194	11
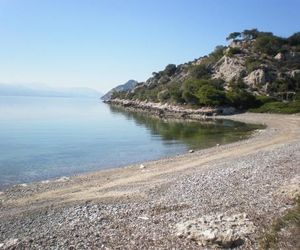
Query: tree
170	69
233	36
250	34
294	39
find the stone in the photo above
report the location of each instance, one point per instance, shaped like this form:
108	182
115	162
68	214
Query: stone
63	179
11	243
280	56
142	166
256	78
229	68
217	230
191	151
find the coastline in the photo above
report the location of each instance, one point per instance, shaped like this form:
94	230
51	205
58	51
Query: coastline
166	192
164	110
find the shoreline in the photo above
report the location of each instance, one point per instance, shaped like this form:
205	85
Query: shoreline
159	111
164	190
164	110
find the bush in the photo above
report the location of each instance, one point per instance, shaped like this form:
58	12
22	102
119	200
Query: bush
269	45
163	96
233	51
175	92
170	69
210	96
190	89
278	107
241	99
294	39
252	64
200	71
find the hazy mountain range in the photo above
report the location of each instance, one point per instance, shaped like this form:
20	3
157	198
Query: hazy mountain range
45	91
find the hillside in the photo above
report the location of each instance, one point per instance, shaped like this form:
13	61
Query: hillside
256	70
128	86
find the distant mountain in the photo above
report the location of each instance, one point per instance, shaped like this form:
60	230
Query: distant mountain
128	86
43	91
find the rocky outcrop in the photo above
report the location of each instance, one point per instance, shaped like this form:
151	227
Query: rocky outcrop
217	230
255	78
168	110
229	68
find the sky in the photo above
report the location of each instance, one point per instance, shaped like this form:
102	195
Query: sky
102	43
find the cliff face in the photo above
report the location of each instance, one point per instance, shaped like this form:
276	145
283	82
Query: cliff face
259	64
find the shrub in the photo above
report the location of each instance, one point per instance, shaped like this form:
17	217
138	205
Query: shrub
209	95
270	45
241	99
170	69
294	39
175	92
233	51
200	71
163	95
278	107
190	89
252	64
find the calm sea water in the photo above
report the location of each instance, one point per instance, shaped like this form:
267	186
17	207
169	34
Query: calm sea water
43	138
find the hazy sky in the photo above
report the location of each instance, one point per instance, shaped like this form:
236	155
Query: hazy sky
101	43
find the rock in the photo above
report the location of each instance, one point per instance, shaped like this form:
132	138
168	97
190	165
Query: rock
11	243
63	179
143	218
191	151
142	166
227	111
280	56
229	68
292	189
23	185
218	145
295	74
256	78
217	230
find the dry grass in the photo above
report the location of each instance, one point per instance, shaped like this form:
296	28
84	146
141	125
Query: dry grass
284	232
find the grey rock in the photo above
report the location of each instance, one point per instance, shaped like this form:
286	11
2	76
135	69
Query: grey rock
217	230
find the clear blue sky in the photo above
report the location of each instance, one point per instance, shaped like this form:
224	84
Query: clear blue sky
101	43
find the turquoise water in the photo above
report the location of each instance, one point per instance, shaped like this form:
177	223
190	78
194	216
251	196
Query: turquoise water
44	138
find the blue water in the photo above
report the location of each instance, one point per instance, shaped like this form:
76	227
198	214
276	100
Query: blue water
43	138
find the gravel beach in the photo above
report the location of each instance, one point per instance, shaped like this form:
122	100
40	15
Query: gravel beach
223	196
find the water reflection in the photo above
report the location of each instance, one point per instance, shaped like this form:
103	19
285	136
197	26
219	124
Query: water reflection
195	134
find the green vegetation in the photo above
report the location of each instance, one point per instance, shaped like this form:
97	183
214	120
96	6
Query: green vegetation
233	51
252	64
278	107
194	83
290	224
